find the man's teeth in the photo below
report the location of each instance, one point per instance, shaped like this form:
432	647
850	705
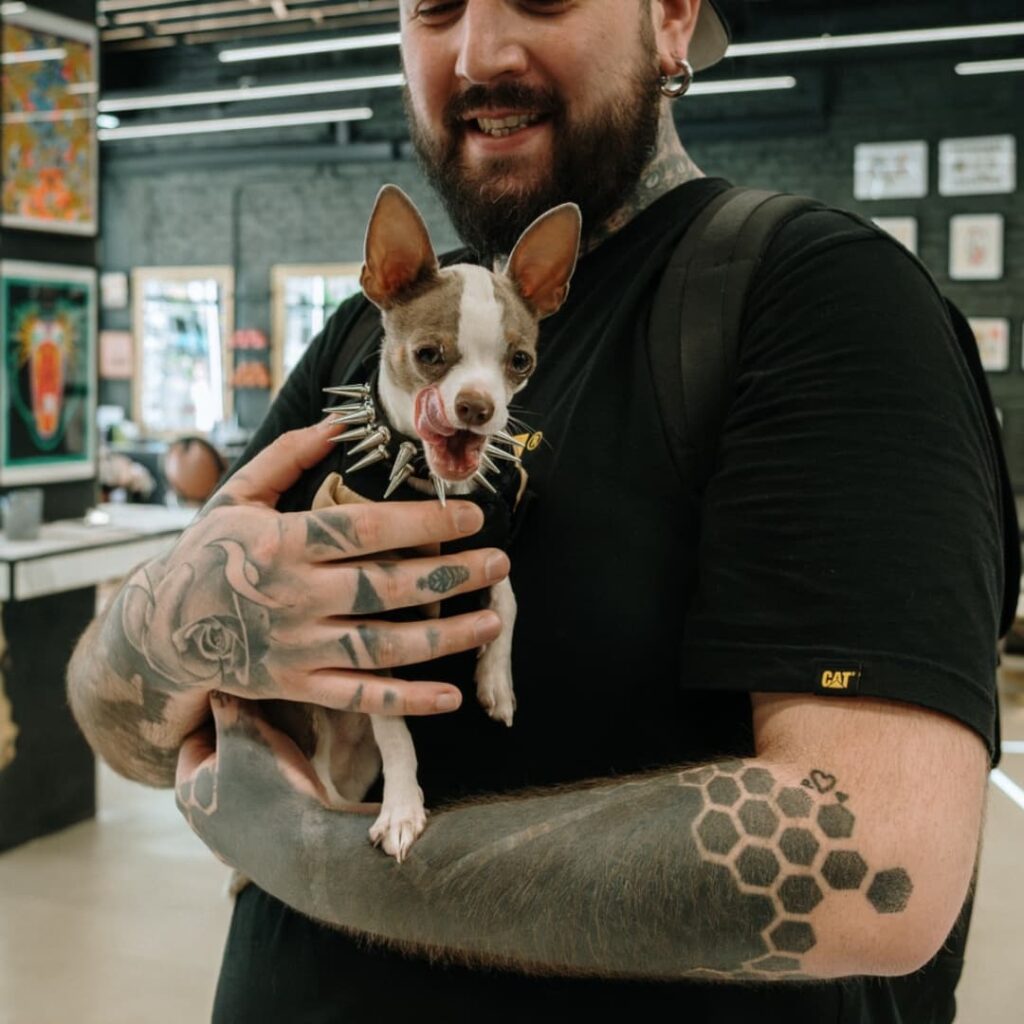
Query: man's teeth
502	126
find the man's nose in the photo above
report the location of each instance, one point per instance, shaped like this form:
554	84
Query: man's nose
491	42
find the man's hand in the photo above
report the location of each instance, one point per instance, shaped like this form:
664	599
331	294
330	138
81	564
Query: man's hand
262	604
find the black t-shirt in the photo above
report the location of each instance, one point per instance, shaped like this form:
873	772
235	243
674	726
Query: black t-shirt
852	517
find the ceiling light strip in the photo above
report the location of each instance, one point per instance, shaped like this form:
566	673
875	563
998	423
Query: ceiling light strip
742	85
230	124
365	42
112	35
288	29
12	9
112	104
169	13
904	37
989	67
303	15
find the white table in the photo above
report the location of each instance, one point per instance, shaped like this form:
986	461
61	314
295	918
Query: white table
73	553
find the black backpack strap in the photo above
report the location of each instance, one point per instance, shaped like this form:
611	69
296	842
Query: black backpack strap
695	322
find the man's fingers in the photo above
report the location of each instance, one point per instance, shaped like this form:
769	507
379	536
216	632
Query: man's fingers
270	473
367	588
374	695
198	748
346	531
374	645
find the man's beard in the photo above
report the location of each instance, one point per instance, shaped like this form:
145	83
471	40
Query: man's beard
595	164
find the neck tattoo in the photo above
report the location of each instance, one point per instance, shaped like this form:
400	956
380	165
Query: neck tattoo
670	165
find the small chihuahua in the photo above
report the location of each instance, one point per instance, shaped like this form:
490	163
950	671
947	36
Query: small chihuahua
459	342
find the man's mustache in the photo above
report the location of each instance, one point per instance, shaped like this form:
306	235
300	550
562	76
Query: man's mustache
502	96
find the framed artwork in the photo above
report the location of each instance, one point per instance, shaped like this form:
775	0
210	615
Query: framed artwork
903	229
117	360
48	149
984	165
993	337
114	290
890	170
976	247
48	384
303	296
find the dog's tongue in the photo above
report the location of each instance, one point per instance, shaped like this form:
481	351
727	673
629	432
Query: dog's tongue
452	454
430	420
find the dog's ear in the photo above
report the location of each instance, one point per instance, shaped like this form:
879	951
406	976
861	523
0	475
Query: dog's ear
545	257
397	253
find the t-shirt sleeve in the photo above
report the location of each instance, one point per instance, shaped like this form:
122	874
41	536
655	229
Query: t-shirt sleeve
850	540
300	400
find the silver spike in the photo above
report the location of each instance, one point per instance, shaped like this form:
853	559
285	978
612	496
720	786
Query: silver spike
490	466
439	487
406	453
500	453
355	418
355	434
485	483
349	390
379	454
380	436
504	437
397	479
349	407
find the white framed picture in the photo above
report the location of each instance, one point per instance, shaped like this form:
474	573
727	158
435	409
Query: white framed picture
983	165
976	247
903	229
993	337
890	170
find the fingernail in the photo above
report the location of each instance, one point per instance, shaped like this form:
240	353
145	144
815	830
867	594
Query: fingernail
447	702
467	519
497	567
486	628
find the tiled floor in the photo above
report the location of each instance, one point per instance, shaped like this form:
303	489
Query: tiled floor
121	920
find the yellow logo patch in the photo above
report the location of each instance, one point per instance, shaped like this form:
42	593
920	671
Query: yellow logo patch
838	680
528	442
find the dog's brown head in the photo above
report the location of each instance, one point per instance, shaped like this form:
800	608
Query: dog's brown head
460	341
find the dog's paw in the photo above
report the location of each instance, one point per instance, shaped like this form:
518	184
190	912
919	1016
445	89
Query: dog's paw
398	827
499	701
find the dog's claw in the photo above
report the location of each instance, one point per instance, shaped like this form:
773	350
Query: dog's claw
396	829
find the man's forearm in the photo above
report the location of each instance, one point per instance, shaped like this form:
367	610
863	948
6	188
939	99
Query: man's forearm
730	870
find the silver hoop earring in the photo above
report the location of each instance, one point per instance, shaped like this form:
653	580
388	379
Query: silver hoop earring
677	85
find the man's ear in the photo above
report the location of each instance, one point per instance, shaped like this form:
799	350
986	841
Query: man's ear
544	258
397	252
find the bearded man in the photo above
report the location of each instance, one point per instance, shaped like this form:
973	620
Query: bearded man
812	860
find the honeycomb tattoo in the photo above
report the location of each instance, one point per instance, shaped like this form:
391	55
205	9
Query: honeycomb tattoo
784	849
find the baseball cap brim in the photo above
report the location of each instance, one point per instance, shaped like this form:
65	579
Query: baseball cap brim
710	37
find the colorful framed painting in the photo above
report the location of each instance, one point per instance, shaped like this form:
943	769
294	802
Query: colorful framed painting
48	384
48	151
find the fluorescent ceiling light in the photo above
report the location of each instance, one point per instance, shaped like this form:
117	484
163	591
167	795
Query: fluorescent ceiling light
32	56
311	46
989	67
8	10
867	39
742	85
232	124
107	121
251	92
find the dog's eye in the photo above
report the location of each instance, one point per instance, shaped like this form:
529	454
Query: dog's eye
521	362
429	355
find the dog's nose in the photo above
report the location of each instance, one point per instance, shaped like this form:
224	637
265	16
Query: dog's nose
473	408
